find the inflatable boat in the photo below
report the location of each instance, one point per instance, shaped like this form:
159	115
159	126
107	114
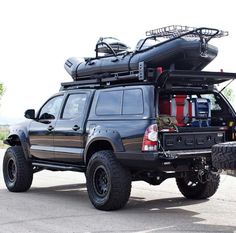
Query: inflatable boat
185	49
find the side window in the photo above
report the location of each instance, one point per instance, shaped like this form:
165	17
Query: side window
133	102
214	103
51	109
74	107
109	103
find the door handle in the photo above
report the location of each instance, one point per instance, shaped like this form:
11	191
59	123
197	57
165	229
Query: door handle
90	63
75	127
115	60
50	128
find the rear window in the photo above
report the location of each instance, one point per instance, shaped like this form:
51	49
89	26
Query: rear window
214	103
133	102
109	103
127	102
74	107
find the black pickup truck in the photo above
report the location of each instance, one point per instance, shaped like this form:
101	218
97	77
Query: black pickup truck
122	129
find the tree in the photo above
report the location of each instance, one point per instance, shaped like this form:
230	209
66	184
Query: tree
229	94
1	89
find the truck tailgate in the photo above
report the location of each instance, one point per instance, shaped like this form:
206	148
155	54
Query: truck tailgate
191	140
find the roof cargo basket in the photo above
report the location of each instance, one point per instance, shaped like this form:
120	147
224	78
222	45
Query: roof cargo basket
174	31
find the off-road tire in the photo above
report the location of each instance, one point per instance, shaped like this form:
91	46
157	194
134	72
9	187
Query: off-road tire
17	171
224	155
108	182
192	188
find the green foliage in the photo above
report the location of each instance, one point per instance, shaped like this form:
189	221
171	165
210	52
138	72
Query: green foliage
229	94
1	89
4	131
3	135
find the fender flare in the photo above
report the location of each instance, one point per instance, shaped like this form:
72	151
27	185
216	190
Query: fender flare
102	134
24	141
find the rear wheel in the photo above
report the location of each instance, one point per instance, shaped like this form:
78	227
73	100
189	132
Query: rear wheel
108	183
17	171
192	188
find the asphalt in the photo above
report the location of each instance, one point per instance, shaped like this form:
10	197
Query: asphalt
58	203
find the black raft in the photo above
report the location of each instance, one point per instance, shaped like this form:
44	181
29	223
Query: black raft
172	48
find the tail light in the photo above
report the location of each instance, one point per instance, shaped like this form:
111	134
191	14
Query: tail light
150	139
159	70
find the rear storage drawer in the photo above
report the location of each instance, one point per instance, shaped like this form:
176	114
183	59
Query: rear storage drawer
194	140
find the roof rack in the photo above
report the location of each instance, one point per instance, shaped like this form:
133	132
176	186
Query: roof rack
164	80
186	31
110	79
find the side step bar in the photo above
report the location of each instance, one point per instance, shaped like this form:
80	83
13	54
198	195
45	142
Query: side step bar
59	166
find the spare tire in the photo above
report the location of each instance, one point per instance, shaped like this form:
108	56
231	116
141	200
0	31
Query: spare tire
224	155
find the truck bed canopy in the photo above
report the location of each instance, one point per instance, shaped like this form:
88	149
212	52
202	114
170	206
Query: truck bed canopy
182	78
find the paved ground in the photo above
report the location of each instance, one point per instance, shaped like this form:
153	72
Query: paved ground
58	203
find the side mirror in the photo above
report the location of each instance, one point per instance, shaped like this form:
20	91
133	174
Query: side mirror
30	114
47	116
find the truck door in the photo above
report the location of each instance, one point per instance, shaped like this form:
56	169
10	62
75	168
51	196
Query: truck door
69	128
41	130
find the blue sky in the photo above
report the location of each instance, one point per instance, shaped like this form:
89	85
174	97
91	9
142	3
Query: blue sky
38	36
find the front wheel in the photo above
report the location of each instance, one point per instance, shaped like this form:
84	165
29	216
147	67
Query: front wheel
192	188
108	183
17	171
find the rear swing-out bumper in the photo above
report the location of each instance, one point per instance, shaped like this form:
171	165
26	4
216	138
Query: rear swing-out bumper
179	160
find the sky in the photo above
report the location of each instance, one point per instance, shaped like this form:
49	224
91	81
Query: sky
38	36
